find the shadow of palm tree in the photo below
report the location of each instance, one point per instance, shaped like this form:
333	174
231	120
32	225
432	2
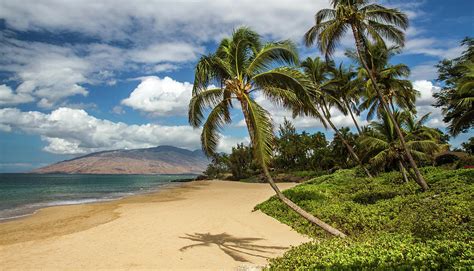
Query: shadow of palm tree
235	247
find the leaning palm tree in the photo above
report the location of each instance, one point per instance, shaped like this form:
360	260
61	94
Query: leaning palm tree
318	72
241	66
366	21
382	147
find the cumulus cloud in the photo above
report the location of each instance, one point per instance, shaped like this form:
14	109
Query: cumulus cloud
48	74
160	96
74	131
424	104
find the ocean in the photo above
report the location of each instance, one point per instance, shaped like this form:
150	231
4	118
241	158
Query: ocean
23	194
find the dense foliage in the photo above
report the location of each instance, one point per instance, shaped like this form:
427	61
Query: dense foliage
391	223
311	152
456	98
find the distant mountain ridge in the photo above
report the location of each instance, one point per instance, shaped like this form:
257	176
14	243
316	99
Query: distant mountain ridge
158	160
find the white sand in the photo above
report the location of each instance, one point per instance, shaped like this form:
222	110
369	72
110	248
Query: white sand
202	225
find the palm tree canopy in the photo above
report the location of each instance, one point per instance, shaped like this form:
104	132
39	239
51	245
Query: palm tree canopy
390	79
381	144
324	76
372	20
456	97
242	65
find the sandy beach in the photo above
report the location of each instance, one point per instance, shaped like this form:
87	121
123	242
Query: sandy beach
208	225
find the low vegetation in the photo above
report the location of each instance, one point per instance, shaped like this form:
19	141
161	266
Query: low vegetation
390	223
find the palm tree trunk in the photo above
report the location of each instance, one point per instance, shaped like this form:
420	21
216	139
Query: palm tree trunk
314	220
348	146
298	209
412	175
352	116
402	170
360	49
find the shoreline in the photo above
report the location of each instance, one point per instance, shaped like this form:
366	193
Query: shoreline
27	210
54	212
196	225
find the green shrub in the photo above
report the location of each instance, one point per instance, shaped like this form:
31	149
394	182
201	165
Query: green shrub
383	218
383	252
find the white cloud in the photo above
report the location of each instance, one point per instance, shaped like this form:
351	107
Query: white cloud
197	20
432	47
165	67
118	110
425	71
46	72
424	104
74	131
160	96
8	97
49	74
167	52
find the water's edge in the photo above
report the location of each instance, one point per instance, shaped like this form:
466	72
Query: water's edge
27	210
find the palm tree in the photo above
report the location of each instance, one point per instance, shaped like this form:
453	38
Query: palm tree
241	66
416	127
456	98
397	91
463	100
350	91
318	72
366	21
383	148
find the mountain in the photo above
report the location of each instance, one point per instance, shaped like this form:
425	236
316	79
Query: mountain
158	160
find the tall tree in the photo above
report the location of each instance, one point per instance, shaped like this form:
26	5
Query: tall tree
456	99
366	21
350	91
318	71
241	163
289	147
241	66
398	91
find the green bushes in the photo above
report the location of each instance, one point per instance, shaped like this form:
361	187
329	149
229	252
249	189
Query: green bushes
385	219
382	252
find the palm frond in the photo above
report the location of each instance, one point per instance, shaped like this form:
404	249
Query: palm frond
390	32
218	117
282	53
382	14
201	100
262	128
330	36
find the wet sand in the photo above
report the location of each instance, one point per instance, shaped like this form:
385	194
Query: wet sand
206	225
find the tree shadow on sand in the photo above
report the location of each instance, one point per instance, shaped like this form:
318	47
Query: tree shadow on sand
235	247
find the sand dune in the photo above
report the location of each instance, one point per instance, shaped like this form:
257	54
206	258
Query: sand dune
202	226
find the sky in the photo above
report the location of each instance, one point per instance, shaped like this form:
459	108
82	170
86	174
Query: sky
83	76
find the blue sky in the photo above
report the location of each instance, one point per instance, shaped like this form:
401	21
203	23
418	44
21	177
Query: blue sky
84	76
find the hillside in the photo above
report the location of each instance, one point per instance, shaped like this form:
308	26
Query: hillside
158	160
